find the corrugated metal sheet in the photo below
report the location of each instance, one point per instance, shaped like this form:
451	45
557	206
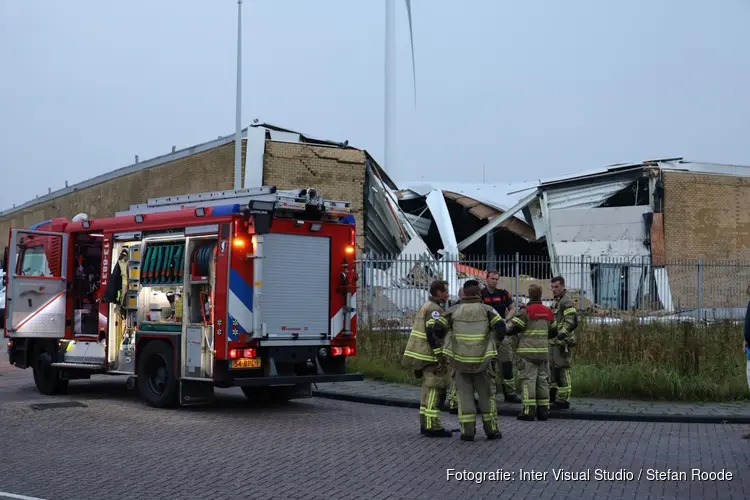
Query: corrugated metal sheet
583	196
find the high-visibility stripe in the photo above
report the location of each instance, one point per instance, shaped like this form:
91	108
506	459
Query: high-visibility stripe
469	359
469	337
535	332
421	357
570	310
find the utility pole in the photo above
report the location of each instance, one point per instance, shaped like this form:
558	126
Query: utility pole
390	87
238	111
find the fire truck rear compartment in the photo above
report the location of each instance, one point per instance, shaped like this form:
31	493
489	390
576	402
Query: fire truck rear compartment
296	276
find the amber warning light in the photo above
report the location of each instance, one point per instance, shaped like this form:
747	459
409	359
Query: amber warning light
349	249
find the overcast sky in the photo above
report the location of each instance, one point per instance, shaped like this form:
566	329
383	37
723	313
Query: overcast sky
528	89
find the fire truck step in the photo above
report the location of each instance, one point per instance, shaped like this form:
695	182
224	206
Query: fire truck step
85	366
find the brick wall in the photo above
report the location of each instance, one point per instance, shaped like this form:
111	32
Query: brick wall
208	170
706	217
337	174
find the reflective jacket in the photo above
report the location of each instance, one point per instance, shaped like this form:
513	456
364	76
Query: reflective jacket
532	327
470	341
419	354
566	321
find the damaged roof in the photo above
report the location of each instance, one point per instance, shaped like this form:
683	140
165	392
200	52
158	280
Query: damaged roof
483	200
673	164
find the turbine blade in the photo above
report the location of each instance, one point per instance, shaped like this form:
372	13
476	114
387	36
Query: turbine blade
413	61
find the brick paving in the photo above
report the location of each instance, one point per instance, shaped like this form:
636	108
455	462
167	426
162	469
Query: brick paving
319	449
376	392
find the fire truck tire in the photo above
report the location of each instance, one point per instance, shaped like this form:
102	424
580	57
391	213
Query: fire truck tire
46	377
156	382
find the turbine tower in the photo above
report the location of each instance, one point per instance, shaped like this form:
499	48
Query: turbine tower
391	81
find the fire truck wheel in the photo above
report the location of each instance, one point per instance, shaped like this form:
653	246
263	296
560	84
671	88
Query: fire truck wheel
46	377
156	381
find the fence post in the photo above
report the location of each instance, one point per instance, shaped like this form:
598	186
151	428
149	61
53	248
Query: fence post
582	291
518	271
370	292
700	286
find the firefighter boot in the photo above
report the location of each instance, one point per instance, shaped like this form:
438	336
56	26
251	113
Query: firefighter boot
490	428
542	412
528	413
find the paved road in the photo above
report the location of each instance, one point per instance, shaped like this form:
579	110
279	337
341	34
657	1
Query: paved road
319	449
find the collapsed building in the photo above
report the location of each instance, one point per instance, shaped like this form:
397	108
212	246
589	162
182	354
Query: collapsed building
664	236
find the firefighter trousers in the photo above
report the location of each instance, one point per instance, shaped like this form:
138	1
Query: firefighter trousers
484	385
435	380
535	382
560	385
505	358
453	393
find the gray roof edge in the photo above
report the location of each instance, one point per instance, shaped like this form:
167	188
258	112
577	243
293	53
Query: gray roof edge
127	170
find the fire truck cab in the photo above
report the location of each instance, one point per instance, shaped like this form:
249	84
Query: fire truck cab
253	288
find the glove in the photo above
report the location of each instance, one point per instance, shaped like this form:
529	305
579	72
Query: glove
561	336
552	332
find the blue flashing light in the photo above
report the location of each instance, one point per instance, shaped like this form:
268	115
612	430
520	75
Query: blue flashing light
37	226
224	210
348	219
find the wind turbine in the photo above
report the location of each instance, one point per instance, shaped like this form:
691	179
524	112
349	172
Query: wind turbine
390	79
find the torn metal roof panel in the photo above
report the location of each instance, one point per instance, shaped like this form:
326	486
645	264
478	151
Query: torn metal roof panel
584	196
470	195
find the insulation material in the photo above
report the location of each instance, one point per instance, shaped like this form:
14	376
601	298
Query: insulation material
658	255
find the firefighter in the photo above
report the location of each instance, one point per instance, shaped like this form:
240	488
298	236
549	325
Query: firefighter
531	329
561	344
453	392
427	362
470	331
502	302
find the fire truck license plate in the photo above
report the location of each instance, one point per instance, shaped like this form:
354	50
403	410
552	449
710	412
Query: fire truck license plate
246	363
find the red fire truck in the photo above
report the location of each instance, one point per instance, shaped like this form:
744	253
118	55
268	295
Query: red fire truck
253	288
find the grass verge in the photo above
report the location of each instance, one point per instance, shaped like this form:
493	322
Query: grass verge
672	362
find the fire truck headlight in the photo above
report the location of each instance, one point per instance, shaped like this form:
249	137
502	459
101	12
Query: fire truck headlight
322	352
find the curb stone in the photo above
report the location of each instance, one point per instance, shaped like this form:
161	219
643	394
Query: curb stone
563	415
